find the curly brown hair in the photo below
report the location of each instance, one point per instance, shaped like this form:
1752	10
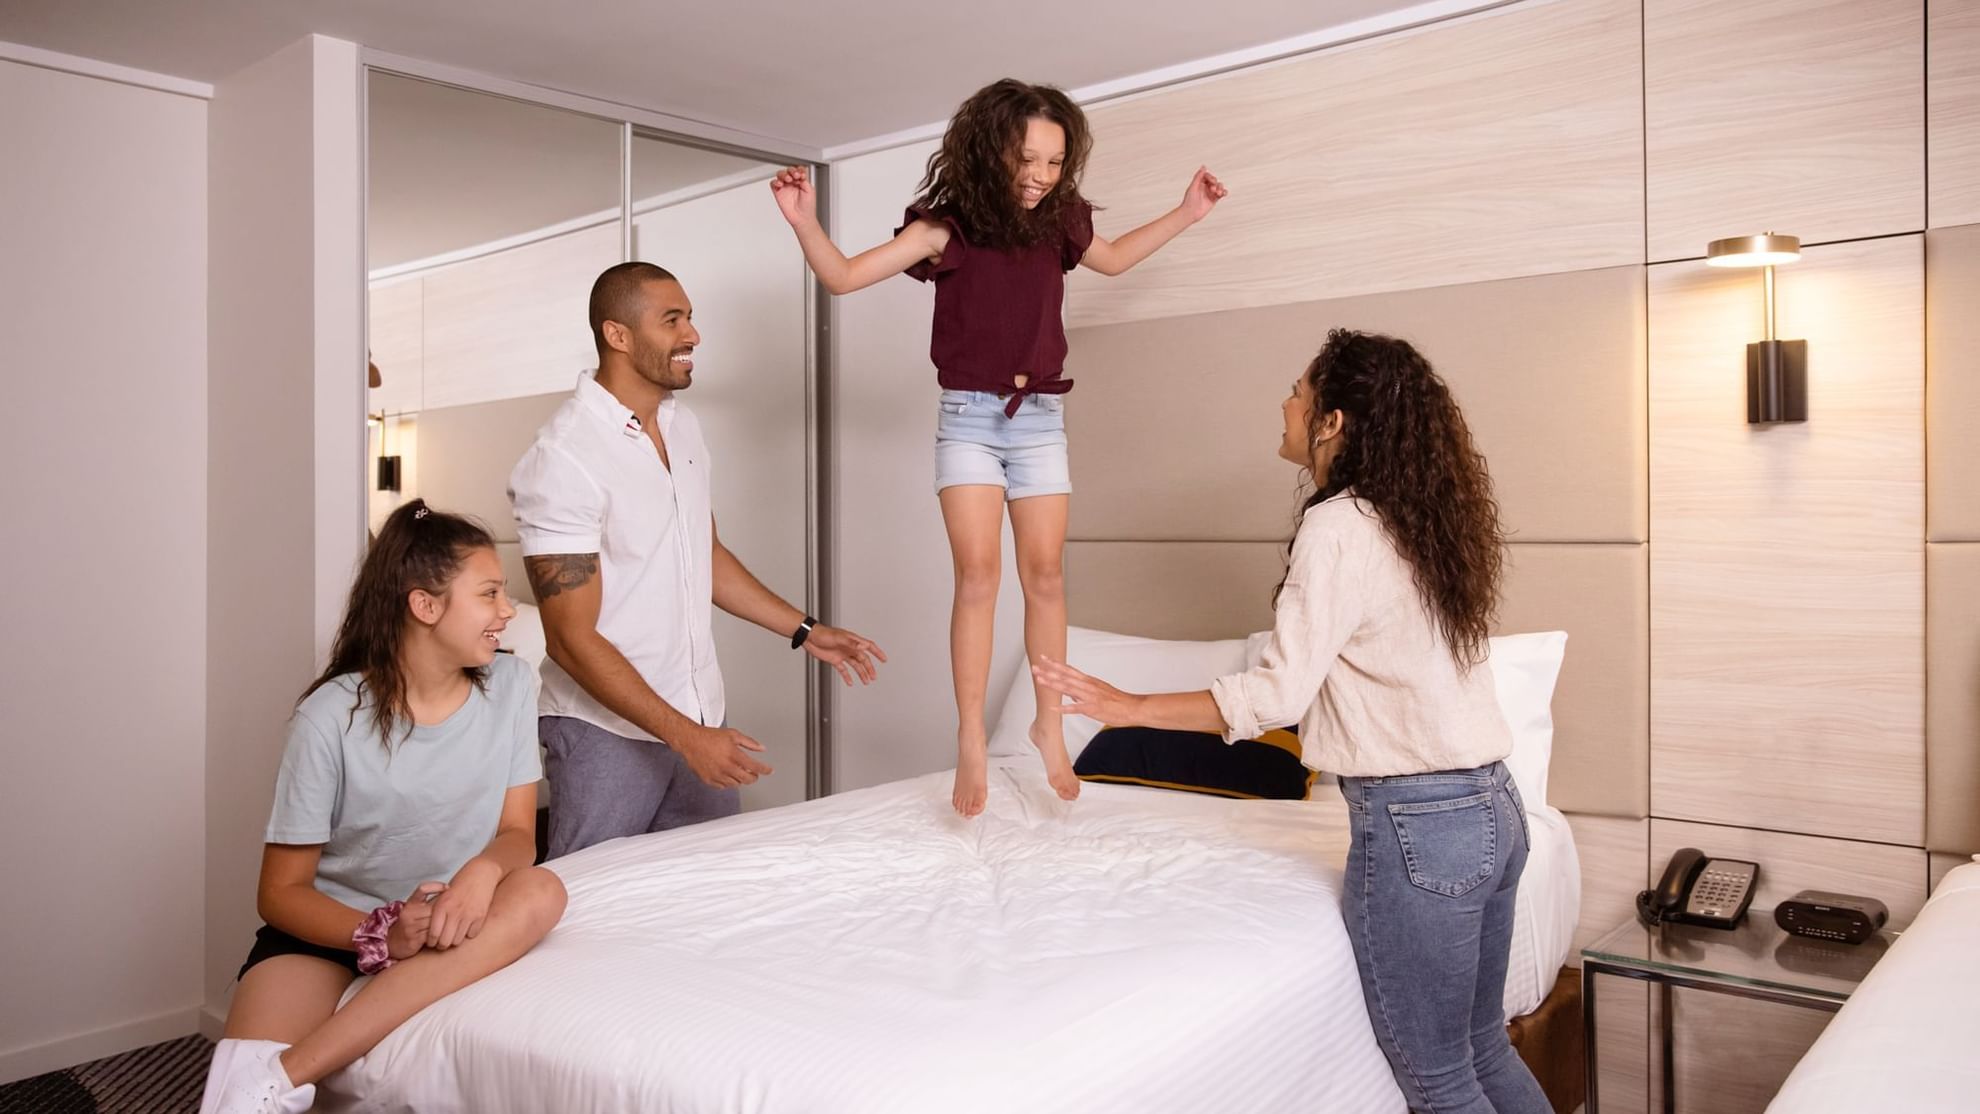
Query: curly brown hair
1408	452
972	176
418	547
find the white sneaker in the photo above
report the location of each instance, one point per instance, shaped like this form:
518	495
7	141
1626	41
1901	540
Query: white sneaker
247	1078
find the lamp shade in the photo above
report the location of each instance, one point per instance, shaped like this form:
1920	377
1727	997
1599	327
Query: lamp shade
1765	250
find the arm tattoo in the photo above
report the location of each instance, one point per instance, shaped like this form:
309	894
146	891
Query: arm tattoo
554	573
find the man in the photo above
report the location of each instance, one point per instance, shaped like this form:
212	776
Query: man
619	541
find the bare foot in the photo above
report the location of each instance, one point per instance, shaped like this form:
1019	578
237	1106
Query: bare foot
972	778
1058	766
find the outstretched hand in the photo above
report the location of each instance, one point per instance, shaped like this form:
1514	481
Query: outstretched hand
796	198
1203	194
1086	696
846	652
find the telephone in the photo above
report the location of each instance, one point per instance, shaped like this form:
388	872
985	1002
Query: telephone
1701	891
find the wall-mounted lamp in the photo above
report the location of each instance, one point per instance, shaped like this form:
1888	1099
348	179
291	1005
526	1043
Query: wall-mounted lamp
1776	370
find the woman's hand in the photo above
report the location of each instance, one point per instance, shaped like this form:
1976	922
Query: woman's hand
1089	696
796	198
408	934
458	913
1202	195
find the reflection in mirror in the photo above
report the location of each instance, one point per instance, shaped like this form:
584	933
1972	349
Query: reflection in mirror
486	221
707	217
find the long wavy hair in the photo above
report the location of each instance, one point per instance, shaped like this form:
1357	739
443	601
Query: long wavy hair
973	175
1408	452
418	547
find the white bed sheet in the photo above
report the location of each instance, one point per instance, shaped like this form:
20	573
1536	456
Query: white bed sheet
1141	950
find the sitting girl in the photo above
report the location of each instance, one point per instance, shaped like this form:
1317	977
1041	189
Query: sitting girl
404	823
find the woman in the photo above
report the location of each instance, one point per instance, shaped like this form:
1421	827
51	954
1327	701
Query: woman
1377	651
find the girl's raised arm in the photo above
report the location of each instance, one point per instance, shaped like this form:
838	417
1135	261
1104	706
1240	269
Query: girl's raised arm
798	201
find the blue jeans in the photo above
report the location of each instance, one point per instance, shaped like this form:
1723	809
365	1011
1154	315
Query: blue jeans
1431	874
976	444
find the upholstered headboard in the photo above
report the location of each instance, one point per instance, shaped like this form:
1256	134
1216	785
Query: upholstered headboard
1183	507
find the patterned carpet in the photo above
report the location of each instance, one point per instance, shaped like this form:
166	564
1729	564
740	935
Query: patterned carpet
162	1079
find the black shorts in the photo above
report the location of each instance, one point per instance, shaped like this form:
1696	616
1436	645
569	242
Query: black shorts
271	942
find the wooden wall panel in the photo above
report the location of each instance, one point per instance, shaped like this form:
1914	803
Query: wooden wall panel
1786	568
1952	384
1952	111
1790	863
514	324
1799	116
1952	696
1506	144
1615	866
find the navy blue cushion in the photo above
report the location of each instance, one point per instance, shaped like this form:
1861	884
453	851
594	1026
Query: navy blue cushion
1266	768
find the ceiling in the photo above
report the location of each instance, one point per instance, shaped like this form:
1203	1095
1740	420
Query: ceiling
818	74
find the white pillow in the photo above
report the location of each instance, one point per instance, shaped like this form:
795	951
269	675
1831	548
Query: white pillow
524	635
1524	669
1122	660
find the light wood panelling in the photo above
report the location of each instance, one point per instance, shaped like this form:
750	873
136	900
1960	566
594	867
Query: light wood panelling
397	346
1790	863
1786	578
1507	144
513	324
1800	116
1733	1054
1615	866
1549	371
1209	590
1952	696
1622	1039
1952	384
1952	111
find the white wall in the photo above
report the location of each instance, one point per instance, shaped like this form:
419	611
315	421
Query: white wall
103	673
893	574
286	444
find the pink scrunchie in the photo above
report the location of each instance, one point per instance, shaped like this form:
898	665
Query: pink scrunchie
373	954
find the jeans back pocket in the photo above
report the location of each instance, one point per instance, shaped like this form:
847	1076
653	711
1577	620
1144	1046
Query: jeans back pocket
1449	847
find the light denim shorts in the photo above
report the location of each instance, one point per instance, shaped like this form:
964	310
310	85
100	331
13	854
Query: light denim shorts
976	444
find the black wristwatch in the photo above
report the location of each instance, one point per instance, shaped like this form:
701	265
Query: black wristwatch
803	632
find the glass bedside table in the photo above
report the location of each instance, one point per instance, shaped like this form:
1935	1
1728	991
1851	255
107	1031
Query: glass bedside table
1757	960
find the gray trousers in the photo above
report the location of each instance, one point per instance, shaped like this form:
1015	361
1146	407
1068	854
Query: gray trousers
603	786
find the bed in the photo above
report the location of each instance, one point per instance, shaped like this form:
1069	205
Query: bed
1141	950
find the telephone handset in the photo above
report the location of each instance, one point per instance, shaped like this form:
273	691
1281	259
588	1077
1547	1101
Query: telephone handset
1701	891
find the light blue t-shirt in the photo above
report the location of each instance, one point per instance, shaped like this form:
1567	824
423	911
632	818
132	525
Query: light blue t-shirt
391	819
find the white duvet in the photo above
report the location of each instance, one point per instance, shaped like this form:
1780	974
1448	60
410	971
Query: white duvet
1140	950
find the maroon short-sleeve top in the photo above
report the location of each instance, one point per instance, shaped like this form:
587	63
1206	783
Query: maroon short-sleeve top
998	311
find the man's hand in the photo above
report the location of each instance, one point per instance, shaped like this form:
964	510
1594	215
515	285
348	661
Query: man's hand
720	756
846	652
